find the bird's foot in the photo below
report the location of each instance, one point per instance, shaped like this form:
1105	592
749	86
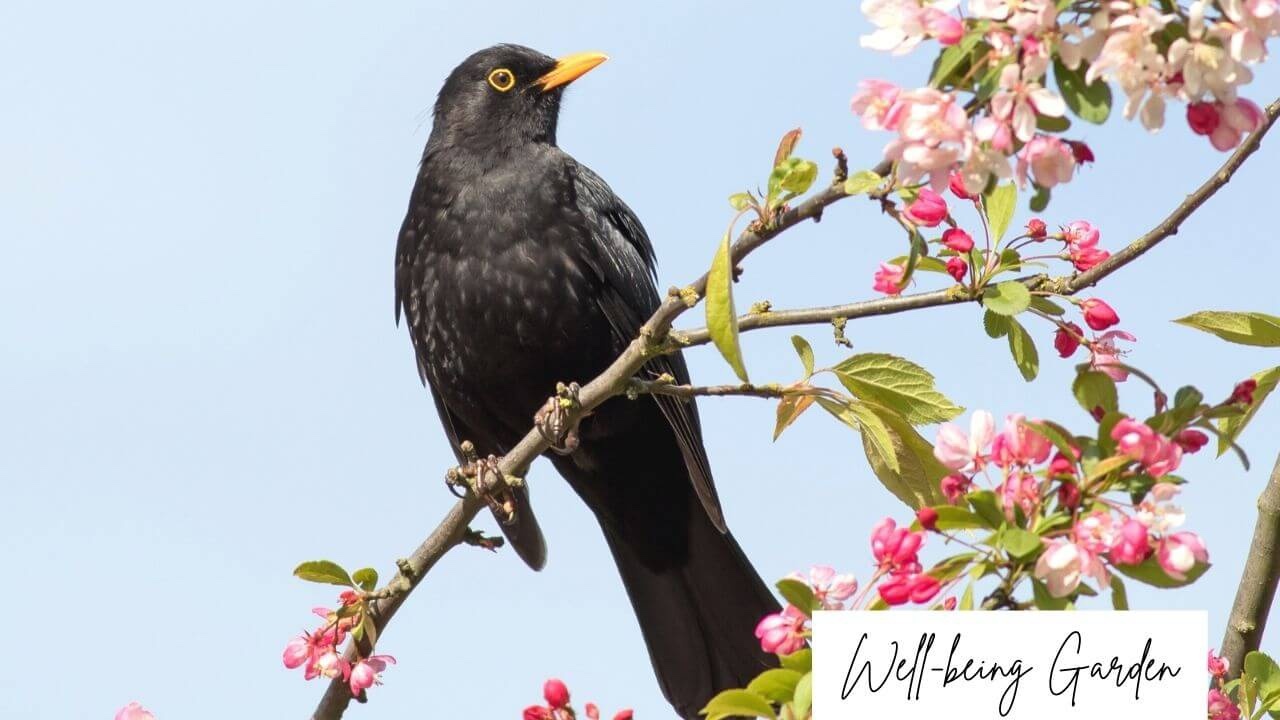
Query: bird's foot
483	478
558	419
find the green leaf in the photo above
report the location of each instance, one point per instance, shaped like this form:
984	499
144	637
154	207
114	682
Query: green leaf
952	58
863	181
1040	200
366	578
805	351
966	600
997	326
1229	428
793	176
323	571
777	685
1024	351
1007	298
722	319
740	201
739	703
1045	600
897	384
951	517
1244	328
1119	596
1261	669
987	506
804	696
1051	124
1150	573
1095	389
787	145
800	660
877	439
1106	466
917	480
798	594
1047	306
1000	204
1089	102
1019	543
368	628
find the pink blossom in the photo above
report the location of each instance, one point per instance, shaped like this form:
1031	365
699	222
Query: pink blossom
331	665
1218	666
888	279
902	24
134	711
965	451
625	714
1237	119
929	209
1179	553
829	588
537	712
1095	532
954	488
933	136
1018	444
1131	546
1158	455
1082	245
1082	152
895	548
1019	490
957	268
1048	159
1221	707
1059	567
1021	99
367	673
1104	354
877	102
1157	512
780	633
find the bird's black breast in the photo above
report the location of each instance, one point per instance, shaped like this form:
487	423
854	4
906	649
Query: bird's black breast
500	300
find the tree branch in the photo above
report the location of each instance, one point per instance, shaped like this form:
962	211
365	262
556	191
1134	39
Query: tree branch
650	343
1257	587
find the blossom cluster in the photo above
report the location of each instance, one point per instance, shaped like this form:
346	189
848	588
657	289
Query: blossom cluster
319	652
556	695
1199	55
1100	531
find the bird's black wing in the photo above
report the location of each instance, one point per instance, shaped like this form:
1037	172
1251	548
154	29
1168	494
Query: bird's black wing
524	532
622	257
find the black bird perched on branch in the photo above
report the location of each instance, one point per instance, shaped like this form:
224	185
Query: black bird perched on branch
517	267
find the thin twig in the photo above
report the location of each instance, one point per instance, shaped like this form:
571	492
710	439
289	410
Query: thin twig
616	378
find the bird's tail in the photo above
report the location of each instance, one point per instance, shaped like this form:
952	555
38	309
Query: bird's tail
697	616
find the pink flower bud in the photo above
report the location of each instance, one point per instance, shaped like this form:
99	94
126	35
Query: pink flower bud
348	597
1068	495
624	715
954	488
1218	666
895	548
928	210
365	674
134	711
1067	339
924	588
555	693
888	279
1191	440
1242	393
949	603
944	27
537	712
928	518
592	711
1082	152
957	239
956	183
1202	117
957	267
896	590
1099	315
1036	229
297	652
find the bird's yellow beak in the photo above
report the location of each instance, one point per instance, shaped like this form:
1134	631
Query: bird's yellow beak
570	68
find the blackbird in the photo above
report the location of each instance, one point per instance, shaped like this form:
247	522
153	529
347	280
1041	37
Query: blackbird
517	267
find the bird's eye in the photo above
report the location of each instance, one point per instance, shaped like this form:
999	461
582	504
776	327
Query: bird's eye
502	80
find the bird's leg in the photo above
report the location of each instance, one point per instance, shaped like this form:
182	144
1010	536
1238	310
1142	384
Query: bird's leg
483	478
558	419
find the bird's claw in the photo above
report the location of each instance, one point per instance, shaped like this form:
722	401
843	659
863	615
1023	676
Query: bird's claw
483	478
557	420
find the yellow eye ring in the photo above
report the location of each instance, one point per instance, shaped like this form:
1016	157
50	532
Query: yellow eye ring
502	80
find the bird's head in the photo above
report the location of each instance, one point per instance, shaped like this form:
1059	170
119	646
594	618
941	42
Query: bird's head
506	96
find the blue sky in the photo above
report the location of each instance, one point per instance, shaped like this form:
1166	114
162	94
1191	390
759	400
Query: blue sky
203	385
